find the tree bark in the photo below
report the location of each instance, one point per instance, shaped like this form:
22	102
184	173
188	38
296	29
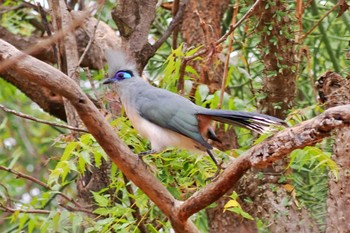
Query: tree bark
94	179
334	91
276	208
205	18
278	56
134	20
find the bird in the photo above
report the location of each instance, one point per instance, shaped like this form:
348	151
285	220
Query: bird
167	119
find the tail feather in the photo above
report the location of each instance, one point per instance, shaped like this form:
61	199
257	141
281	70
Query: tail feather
253	121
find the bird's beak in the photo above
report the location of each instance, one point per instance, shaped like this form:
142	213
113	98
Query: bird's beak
107	81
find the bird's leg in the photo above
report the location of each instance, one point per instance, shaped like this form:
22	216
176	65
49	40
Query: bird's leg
218	165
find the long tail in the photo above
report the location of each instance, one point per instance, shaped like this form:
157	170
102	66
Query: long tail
253	121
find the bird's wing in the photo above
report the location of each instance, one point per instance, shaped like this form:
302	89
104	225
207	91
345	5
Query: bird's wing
172	112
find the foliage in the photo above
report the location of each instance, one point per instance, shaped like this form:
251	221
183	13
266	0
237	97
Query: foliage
18	22
234	206
310	180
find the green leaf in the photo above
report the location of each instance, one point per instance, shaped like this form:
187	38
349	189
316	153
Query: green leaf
97	158
77	222
100	200
22	220
102	211
151	228
68	151
31	225
85	155
86	139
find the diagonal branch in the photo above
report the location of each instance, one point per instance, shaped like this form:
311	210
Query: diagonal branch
263	154
51	78
176	21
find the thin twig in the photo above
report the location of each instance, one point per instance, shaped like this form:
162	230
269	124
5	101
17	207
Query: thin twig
233	27
8	209
136	213
41	121
35	180
76	209
224	37
227	61
92	38
174	11
177	19
321	19
45	43
46	26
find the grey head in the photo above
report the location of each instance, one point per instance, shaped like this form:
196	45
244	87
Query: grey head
120	67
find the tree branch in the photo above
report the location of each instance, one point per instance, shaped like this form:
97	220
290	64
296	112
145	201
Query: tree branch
263	154
33	179
41	121
51	78
11	210
176	21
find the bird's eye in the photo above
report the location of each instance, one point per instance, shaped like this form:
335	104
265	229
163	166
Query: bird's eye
122	74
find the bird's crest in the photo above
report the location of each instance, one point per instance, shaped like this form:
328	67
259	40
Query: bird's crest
119	60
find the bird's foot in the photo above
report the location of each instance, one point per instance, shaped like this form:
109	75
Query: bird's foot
220	168
211	178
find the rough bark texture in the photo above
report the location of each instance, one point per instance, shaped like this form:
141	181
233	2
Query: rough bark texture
334	91
276	208
278	56
134	19
271	202
210	12
210	73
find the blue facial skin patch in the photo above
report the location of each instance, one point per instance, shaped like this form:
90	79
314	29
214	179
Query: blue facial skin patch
123	74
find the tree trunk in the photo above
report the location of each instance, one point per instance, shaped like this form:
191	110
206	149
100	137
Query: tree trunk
94	179
278	56
333	91
210	73
271	201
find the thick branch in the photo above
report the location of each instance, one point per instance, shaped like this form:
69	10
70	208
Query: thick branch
51	78
279	145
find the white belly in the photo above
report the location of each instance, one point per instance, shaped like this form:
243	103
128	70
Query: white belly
159	137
